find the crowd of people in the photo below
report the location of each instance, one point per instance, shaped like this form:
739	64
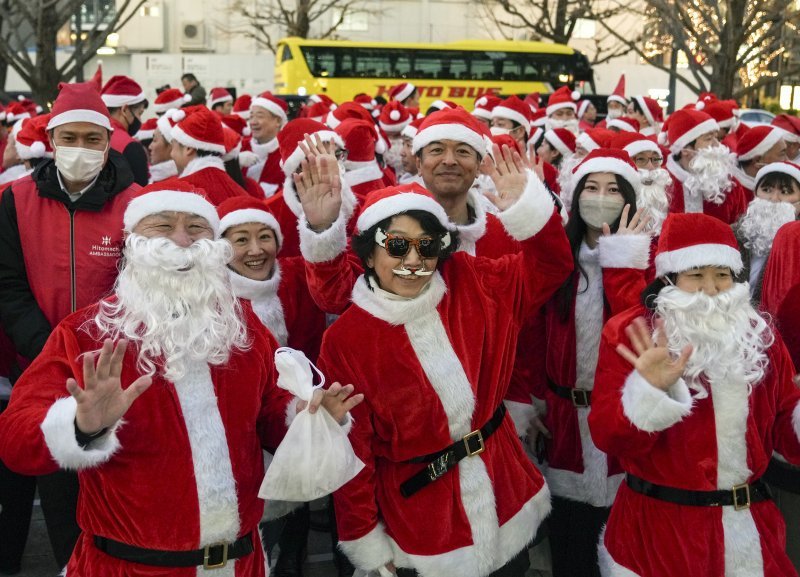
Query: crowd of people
537	325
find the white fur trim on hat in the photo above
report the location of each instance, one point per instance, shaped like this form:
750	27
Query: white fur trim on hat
37	149
165	128
402	202
270	107
609	164
709	125
226	98
553	107
649	115
620	124
164	106
772	137
457	132
639	146
552	137
251	215
586	142
696	256
79	115
169	201
186	140
395	128
405	93
144	135
482	113
781	167
118	100
290	164
409	132
501	111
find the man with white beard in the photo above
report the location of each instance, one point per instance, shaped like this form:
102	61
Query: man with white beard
702	168
562	110
162	397
693	394
776	202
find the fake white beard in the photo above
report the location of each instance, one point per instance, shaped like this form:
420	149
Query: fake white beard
761	222
612	114
392	156
728	336
654	197
175	305
710	173
573	125
565	177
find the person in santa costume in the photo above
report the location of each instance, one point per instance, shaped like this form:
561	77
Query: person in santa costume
780	298
648	113
587	115
406	94
169	99
693	393
267	117
483	106
362	172
759	146
13	166
776	203
623	124
162	166
791	127
145	135
610	254
416	293
562	109
702	168
220	101
126	103
198	145
174	323
616	103
407	157
512	117
393	119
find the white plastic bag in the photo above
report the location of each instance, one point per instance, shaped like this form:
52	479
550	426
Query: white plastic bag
315	457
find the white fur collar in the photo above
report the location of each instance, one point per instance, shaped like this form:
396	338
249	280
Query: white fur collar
371	171
256	290
649	130
394	309
470	234
349	200
201	163
676	169
13	173
263	296
163	170
263	150
747	181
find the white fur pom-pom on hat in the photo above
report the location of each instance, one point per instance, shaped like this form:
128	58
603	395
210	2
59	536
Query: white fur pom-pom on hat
38	149
187	97
700	105
394	115
177	114
576	95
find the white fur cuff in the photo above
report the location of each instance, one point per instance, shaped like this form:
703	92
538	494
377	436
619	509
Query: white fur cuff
796	420
326	245
651	409
521	414
59	435
531	212
369	552
625	251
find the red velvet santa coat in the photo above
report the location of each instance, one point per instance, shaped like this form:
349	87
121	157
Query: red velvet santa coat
575	468
671	439
182	471
448	355
284	305
734	205
746	182
267	171
208	173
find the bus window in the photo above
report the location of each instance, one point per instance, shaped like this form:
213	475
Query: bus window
321	61
285	53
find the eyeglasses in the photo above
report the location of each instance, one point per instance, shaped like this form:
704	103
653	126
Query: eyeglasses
398	246
643	162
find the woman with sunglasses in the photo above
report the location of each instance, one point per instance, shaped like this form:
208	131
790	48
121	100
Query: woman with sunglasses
430	339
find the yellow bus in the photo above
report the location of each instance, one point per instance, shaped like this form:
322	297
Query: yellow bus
457	71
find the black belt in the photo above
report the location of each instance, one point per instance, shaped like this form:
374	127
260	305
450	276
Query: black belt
579	397
442	461
783	476
739	497
211	557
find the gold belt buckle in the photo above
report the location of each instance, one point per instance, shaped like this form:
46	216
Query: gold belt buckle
481	447
737	505
207	556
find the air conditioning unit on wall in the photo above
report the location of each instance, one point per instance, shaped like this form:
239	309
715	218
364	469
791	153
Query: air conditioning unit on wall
194	35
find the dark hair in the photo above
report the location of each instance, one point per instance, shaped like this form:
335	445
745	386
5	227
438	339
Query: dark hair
205	152
234	170
637	107
576	231
777	180
364	243
190	76
651	291
143	103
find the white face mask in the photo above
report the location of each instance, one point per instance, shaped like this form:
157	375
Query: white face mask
596	210
498	130
79	164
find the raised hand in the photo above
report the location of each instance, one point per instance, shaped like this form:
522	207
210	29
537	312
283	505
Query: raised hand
336	399
652	359
535	163
535	429
635	225
319	188
102	401
508	174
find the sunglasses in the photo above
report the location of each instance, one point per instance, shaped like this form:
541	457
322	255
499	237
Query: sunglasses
398	246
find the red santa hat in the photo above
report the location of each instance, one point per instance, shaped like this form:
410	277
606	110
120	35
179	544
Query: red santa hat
505	140
202	130
2	112
787	168
789	123
757	141
170	99
79	102
512	108
609	160
169	119
236	123
439	105
595	138
32	140
16	111
562	98
387	202
456	124
30	106
720	110
411	130
294	133
147	129
359	139
534	101
121	90
402	91
218	95
347	110
686	126
634	143
394	117
317	111
623	124
273	104
233	143
171	195
619	92
692	240
246	210
323	98
562	140
241	106
651	109
583	106
484	106
365	100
